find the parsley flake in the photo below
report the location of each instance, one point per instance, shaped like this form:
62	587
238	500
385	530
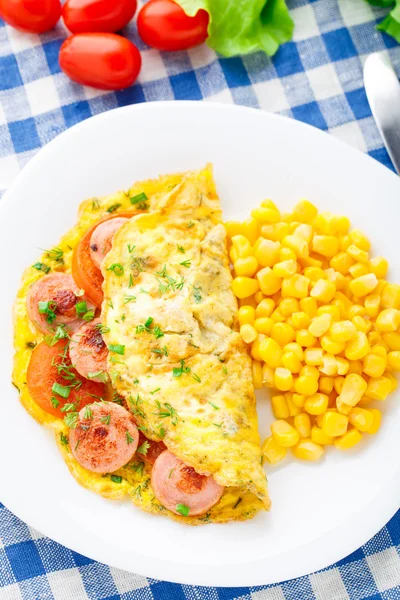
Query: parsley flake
113	208
182	509
41	267
143	448
178	371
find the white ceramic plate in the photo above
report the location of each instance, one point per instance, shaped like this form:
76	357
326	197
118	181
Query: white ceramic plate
320	512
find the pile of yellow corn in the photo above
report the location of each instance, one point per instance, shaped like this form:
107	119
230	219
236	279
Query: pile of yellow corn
321	322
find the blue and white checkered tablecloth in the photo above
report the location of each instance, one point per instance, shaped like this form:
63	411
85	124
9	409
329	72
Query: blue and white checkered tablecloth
317	78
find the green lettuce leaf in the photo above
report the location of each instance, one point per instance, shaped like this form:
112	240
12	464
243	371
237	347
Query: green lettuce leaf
243	26
391	24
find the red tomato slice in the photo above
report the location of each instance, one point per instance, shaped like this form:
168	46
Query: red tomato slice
35	16
101	60
164	25
81	16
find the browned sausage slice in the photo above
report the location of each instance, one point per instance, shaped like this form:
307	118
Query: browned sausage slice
180	489
105	437
88	352
102	236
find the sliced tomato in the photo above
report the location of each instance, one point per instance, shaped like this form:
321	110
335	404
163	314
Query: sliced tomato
49	368
86	274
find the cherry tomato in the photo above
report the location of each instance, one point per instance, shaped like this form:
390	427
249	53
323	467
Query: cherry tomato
102	60
164	25
35	16
81	16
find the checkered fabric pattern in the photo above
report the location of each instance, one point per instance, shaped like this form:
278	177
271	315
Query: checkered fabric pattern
316	78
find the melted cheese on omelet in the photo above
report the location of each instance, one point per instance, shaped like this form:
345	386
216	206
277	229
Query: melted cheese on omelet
134	479
179	361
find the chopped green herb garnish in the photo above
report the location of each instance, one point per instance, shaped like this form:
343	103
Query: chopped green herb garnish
89	315
225	370
88	414
48	308
129	438
170	473
41	267
158	332
178	371
63	439
68	407
71	419
197	295
81	308
142	197
181	249
117	269
113	208
55	254
99	376
129	299
186	263
54	402
138	468
182	509
110	303
142	291
143	448
196	377
117	348
217	424
102	328
190	224
115	360
157	351
131	248
215	407
154	391
77	444
161	432
165	350
95	204
148	322
167	411
130	284
116	478
106	419
61	390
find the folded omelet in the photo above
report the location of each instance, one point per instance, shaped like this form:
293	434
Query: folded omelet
179	360
184	372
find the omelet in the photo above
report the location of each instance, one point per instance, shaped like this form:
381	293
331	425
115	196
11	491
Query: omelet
184	372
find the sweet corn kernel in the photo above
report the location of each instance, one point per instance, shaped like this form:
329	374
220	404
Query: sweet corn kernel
357	310
297	244
304	211
334	424
338	280
272	451
284	434
268	376
305	339
392	380
309	306
361	286
246	266
275	231
251	229
304	231
343	365
233	228
309	370
392	340
300	320
299	400
388	320
248	333
280	407
268	203
316	404
355	366
285	268
342	225
267	253
379	266
329	365
241	246
287	254
358	269
243	287
310	261
264	325
354	388
374	365
296	349
348	440
331	310
302	423
265	308
283	379
360	239
249	301
290	361
320	325
345	242
323	291
256	371
361	324
374	337
271	352
246	315
338	384
344	409
342	331
380	350
283	333
393	359
358	347
308	450
358	255
267	281
306	385
390	297
255	347
266	215
288	306
378	388
325	384
313	356
326	245
376	422
277	316
361	418
295	286
341	262
314	273
258	296
294	410
319	437
372	304
330	346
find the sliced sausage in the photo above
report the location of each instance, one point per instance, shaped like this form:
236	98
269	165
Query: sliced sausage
148	450
105	437
178	487
101	239
88	352
62	294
